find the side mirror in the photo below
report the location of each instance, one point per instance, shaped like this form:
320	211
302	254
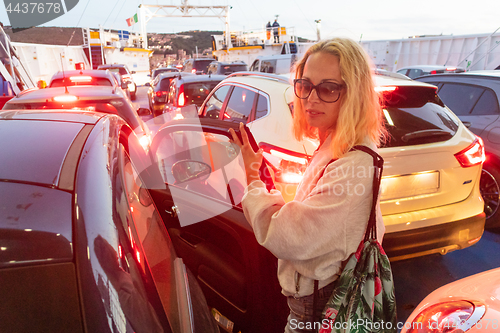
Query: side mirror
133	72
124	85
143	111
187	170
147	84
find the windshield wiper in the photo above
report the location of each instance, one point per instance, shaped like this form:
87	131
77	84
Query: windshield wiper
424	134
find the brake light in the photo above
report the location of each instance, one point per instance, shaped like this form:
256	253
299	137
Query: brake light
160	93
65	98
181	100
288	166
83	78
447	317
434	72
472	155
193	71
451	69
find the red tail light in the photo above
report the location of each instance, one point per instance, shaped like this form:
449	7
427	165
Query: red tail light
472	155
447	317
181	100
288	166
193	71
126	77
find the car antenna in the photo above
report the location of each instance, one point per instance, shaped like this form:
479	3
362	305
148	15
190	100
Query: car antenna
64	78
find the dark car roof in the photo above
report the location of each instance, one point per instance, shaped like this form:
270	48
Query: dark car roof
37	174
205	77
493	74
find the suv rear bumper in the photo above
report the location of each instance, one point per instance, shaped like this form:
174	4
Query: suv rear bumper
441	238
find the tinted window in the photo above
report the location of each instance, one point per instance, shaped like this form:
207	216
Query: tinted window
96	81
228	69
460	98
165	84
268	66
262	107
202	65
417	116
240	105
120	70
413	73
204	163
196	92
487	104
214	104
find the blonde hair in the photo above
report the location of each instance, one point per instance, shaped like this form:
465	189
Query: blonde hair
360	115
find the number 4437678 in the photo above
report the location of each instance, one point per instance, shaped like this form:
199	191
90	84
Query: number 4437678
34	7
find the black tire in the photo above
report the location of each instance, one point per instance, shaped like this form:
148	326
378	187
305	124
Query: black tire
490	191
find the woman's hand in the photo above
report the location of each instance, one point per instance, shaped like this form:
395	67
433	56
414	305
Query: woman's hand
252	160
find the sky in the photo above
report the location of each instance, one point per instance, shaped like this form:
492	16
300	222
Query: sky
357	19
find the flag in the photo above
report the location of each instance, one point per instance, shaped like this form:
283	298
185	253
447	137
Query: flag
132	20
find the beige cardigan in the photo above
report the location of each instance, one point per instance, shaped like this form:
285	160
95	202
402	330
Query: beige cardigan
322	226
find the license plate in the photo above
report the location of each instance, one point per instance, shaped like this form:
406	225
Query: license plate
411	185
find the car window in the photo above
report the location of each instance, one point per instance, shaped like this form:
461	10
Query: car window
255	66
202	65
262	106
460	98
196	92
487	104
120	70
228	69
413	73
205	163
240	105
268	66
418	118
214	104
95	81
165	84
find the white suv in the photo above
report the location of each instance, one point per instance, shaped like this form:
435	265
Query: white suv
430	196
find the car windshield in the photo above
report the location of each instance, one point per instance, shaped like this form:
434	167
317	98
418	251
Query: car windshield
94	81
196	92
228	69
120	70
202	65
417	116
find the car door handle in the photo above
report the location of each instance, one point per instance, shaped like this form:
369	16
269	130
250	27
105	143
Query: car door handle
175	211
467	123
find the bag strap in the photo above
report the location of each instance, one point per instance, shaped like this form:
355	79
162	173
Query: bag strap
371	228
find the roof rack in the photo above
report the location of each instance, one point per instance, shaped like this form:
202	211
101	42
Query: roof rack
268	76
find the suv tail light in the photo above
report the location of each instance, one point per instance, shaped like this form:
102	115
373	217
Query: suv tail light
449	317
181	100
472	155
288	166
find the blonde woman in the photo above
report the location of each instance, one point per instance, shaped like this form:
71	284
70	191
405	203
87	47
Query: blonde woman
315	233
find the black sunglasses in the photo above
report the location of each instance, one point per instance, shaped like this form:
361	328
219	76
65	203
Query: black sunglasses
328	92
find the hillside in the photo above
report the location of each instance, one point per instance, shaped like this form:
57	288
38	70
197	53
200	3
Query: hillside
187	41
